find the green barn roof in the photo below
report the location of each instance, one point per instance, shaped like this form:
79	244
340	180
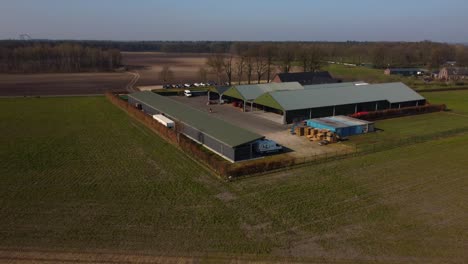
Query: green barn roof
223	131
338	95
252	91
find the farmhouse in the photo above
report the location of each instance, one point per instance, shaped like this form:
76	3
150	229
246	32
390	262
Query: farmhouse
405	71
230	142
333	99
305	78
453	73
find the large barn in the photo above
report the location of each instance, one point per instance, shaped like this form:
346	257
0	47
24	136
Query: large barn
231	142
338	99
294	101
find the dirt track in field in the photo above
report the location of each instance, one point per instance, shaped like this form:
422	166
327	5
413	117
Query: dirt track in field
62	84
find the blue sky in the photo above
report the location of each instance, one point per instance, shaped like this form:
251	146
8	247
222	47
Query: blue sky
309	20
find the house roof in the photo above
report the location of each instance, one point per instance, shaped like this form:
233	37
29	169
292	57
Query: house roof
223	131
457	71
341	95
305	78
252	91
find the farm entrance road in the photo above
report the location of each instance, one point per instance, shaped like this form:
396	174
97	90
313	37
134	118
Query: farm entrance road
130	86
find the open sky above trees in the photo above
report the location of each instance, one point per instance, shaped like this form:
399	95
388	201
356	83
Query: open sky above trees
333	20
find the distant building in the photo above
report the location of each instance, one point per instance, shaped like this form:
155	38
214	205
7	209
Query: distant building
405	71
453	73
305	78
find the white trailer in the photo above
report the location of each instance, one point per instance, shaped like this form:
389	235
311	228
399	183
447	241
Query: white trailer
164	121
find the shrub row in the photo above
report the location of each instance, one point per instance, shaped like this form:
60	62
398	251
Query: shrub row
390	113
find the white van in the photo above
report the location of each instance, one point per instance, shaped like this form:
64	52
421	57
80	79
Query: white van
267	146
188	93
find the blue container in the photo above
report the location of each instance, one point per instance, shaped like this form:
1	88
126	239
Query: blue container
343	129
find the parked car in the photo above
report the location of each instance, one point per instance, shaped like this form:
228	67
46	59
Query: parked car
196	85
188	93
187	85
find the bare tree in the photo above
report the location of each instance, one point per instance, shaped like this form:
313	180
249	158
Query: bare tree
286	57
260	65
268	52
250	62
228	67
202	74
216	64
303	55
239	67
166	74
315	59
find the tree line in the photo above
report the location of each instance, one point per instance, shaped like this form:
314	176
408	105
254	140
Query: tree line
63	57
250	60
255	61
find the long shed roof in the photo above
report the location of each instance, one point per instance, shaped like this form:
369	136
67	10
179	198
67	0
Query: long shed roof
340	95
252	91
223	131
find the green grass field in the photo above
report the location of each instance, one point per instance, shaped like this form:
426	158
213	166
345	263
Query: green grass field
407	129
348	73
78	174
456	101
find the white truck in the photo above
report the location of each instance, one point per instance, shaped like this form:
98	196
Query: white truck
267	146
164	121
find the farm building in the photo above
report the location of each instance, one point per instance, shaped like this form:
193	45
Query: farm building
305	78
453	73
231	142
343	126
405	71
332	99
248	93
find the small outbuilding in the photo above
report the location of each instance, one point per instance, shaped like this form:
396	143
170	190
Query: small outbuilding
343	126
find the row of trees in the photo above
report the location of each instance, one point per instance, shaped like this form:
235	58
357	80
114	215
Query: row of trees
65	57
254	62
249	61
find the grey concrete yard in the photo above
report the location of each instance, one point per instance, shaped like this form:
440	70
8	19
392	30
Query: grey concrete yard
266	124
